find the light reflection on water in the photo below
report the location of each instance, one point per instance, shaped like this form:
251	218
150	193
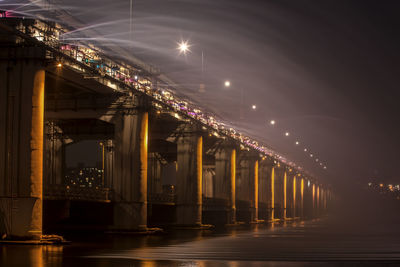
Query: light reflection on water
312	243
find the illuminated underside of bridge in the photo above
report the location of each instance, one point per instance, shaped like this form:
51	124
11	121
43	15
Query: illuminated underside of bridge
54	95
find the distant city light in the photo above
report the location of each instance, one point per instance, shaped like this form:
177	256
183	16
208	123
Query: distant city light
316	160
311	155
305	149
253	106
59	65
297	143
136	77
287	134
324	167
227	83
272	122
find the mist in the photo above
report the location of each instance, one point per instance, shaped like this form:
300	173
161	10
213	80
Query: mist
325	72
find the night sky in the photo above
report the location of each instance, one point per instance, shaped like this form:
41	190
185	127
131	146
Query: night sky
326	71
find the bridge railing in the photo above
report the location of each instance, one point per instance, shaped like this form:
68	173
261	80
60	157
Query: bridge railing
62	192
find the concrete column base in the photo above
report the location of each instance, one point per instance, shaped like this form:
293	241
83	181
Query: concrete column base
128	216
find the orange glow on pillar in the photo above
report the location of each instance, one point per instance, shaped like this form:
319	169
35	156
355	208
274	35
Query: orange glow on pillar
256	188
36	145
313	196
273	193
302	196
199	168
233	179
284	195
294	196
144	132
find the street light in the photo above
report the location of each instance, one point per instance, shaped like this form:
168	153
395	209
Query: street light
272	122
297	143
253	106
227	83
287	134
183	47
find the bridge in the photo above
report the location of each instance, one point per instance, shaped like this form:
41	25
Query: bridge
55	94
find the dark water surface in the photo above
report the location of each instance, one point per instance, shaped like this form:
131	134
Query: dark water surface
324	242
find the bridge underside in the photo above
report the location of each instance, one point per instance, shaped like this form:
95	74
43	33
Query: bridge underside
156	166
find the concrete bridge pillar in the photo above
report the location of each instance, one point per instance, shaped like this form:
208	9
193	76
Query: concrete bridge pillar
294	197
302	198
54	156
154	175
189	178
225	180
288	190
272	192
247	186
254	183
108	163
22	85
264	190
279	193
130	171
307	199
317	201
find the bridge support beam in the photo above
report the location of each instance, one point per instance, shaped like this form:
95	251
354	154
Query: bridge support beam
130	171
189	178
280	193
225	180
22	81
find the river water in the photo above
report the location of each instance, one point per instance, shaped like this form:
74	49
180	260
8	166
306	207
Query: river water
363	238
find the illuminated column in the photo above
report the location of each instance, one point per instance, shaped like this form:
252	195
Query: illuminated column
22	85
302	198
130	171
313	201
285	198
225	178
254	191
317	201
272	216
294	203
189	178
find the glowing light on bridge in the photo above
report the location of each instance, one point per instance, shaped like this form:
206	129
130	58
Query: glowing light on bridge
183	47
